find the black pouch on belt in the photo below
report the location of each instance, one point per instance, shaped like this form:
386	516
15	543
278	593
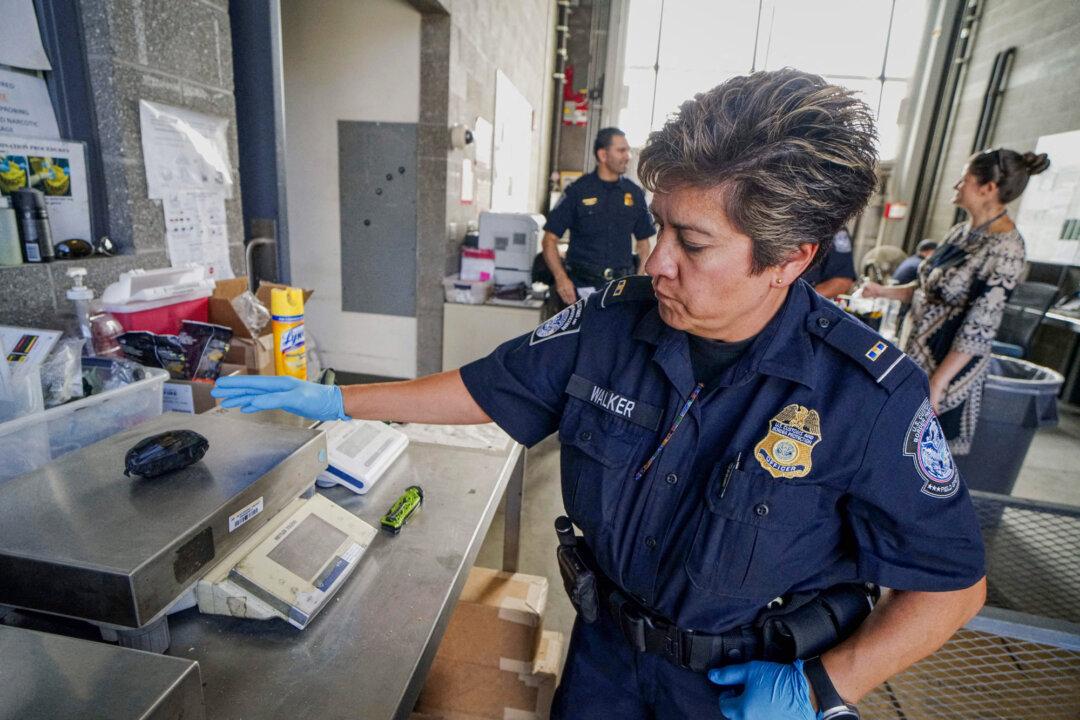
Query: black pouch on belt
807	624
576	570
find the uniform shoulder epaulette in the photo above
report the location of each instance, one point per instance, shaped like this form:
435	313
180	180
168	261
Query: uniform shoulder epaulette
632	288
885	362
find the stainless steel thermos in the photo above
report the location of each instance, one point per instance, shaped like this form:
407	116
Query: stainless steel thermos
33	220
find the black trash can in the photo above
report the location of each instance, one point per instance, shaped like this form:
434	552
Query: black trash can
1019	398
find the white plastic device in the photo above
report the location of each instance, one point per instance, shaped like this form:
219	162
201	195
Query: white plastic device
291	567
515	238
359	452
138	290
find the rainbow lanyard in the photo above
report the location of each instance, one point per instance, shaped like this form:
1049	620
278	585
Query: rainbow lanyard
667	438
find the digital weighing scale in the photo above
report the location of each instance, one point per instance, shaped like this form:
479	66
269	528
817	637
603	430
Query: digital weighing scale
360	451
83	541
289	570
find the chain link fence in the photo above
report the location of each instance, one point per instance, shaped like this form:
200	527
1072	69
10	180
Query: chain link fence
1020	658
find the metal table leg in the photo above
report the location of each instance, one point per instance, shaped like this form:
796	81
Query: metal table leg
515	494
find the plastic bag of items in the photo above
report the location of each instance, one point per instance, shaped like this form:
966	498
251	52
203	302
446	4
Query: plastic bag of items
195	354
252	313
61	373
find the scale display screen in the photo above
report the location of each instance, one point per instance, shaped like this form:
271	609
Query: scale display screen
306	550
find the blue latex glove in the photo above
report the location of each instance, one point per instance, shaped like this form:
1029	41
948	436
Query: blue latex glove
252	393
769	691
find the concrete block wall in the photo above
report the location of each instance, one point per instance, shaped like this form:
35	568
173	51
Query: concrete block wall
170	51
1041	95
463	44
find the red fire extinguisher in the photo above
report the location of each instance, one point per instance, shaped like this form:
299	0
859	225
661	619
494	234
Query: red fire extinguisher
575	104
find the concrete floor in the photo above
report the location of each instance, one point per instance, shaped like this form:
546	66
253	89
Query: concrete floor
1051	472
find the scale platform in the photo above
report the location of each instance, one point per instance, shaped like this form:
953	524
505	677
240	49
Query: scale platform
82	540
48	676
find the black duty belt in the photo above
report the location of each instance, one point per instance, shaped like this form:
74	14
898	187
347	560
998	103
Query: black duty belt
798	625
593	275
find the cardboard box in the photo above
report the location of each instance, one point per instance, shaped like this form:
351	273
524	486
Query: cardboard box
189	396
256	356
519	690
221	309
498	618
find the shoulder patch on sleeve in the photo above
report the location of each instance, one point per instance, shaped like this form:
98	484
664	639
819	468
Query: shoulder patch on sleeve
927	447
564	322
885	362
632	288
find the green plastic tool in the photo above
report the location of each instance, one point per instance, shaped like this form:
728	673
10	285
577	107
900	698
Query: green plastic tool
402	509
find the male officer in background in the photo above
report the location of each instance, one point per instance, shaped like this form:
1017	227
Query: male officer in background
601	210
730	441
908	270
834	274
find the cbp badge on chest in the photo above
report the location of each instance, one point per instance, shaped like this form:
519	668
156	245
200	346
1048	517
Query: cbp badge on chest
785	451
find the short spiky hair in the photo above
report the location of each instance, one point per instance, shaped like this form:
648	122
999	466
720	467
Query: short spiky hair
793	155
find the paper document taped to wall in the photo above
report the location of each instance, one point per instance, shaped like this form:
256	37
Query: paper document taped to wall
196	231
21	46
25	107
56	168
184	150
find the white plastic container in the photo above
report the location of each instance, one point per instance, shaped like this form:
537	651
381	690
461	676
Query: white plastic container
468	292
31	441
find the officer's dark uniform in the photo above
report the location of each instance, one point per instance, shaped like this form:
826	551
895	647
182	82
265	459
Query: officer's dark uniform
815	460
600	216
838	262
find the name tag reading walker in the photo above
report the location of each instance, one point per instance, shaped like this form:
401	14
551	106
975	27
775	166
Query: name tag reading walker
610	401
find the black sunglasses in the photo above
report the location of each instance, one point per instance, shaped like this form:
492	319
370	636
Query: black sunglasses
75	248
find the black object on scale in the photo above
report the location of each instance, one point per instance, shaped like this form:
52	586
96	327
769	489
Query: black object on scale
164	453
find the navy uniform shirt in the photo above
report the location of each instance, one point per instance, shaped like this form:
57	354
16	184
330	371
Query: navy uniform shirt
838	262
815	460
908	271
601	217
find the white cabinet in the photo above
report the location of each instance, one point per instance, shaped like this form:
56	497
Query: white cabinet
472	331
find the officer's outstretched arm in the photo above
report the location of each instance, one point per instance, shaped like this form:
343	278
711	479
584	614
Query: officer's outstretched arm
440	398
904	627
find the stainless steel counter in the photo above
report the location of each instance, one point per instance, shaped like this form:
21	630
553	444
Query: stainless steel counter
367	654
46	677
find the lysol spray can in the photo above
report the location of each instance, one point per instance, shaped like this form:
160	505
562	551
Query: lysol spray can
287	321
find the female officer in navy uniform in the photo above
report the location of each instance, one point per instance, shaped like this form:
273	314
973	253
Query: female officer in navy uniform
728	436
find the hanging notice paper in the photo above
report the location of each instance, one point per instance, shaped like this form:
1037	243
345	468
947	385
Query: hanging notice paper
56	168
25	108
483	137
1049	215
20	44
196	231
184	150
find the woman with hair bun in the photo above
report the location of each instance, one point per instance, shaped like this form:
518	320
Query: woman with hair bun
959	296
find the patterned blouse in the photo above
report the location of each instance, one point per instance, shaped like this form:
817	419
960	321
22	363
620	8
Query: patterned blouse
958	305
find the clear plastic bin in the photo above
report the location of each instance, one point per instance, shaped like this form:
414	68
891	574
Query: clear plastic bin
469	292
33	440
